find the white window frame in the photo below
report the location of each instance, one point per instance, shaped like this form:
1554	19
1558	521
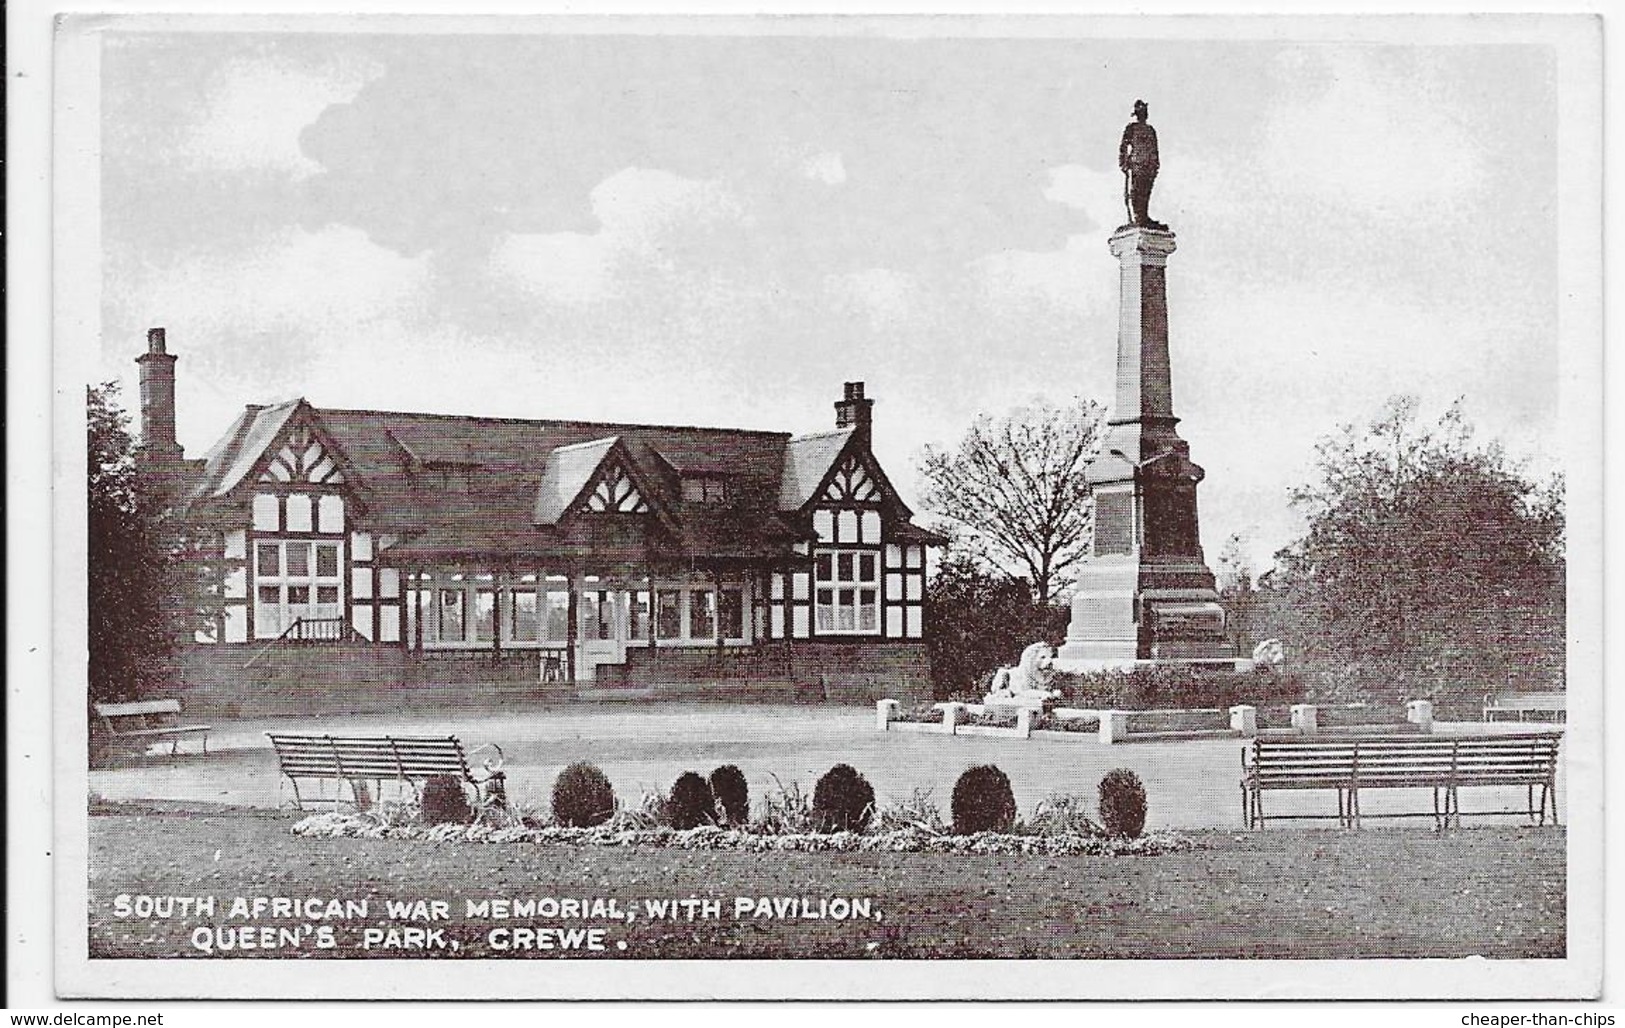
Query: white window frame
837	587
283	581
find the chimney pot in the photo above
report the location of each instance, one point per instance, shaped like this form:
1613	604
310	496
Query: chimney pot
853	409
155	340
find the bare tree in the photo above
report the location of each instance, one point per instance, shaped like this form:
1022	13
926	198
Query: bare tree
1016	485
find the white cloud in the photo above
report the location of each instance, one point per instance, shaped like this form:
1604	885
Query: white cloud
1079	276
639	211
825	167
1098	194
1370	140
885	296
255	109
303	282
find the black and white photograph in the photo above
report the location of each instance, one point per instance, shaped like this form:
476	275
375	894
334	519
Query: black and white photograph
826	507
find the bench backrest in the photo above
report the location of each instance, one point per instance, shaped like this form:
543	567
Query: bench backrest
1528	701
337	756
142	708
138	715
1402	759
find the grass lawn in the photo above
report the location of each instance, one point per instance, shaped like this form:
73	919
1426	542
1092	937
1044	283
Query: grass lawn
1496	891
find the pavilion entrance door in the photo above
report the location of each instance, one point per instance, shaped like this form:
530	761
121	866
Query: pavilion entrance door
603	631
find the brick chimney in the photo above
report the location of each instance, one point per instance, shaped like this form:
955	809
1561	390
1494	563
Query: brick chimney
158	401
853	411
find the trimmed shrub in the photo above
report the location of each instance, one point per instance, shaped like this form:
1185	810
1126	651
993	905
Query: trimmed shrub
691	803
444	800
982	801
732	793
1122	804
1149	688
582	796
843	800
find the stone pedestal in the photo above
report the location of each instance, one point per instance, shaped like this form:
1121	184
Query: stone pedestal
1305	718
1420	712
1146	592
1113	726
885	712
1244	719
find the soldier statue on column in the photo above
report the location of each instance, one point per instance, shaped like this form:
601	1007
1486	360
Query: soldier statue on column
1137	156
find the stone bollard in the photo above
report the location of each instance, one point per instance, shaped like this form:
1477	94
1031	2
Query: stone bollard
952	715
1420	713
1244	719
1303	718
885	711
1024	722
1113	726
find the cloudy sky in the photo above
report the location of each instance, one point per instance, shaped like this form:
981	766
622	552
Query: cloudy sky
720	230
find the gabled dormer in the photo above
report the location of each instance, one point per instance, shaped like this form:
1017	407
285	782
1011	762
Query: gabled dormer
595	478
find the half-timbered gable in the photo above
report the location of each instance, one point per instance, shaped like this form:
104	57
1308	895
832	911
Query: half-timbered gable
866	574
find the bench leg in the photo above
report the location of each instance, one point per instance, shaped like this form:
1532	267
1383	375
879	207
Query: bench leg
1437	825
298	802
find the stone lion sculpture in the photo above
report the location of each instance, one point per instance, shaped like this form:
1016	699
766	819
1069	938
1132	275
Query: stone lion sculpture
1027	679
1269	654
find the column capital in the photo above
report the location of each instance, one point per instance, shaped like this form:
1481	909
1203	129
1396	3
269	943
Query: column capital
1151	246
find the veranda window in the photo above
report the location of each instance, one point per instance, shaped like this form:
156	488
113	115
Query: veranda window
669	613
451	616
523	624
731	613
702	614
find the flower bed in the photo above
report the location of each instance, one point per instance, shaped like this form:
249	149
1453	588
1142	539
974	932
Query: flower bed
1050	722
991	718
906	840
1144	721
921	715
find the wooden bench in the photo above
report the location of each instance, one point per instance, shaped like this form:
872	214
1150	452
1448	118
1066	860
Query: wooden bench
1554	705
1443	764
144	722
405	760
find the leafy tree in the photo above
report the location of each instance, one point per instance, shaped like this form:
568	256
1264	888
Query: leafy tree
981	619
1238	592
1432	566
1016	484
146	585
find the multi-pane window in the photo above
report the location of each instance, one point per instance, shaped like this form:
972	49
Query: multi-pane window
669	613
705	489
524	623
451	615
848	593
637	616
485	609
556	615
702	614
731	613
295	579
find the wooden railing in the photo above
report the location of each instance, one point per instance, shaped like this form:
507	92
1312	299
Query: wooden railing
305	630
